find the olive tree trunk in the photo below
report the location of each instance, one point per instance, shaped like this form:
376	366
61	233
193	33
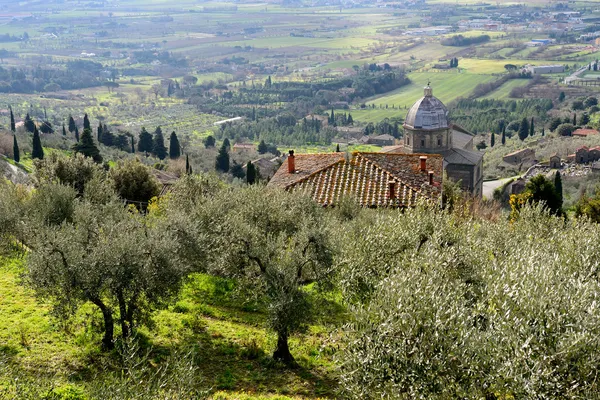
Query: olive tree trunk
282	352
109	324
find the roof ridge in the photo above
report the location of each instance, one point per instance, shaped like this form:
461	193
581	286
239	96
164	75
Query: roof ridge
304	178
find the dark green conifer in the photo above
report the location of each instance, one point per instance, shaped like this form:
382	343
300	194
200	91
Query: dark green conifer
12	121
145	141
16	152
174	147
503	140
531	128
493	140
77	134
250	173
72	125
222	161
158	144
37	151
29	124
87	147
64	131
558	187
524	129
86	123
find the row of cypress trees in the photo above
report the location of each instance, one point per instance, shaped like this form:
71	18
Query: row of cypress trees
86	145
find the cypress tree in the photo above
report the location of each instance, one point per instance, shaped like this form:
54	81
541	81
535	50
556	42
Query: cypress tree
132	145
531	128
37	150
250	173
87	147
262	147
575	119
543	132
188	168
16	152
209	141
108	139
226	143
99	132
86	122
558	187
493	140
12	121
158	144
503	136
72	125
77	134
337	148
524	129
29	124
253	113
222	161
64	131
145	141
174	147
350	120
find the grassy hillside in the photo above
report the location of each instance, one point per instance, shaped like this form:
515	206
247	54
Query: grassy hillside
231	349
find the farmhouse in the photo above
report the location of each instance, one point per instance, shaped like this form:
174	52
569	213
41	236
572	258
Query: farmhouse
555	161
243	147
373	179
581	132
545	69
381	140
519	156
584	154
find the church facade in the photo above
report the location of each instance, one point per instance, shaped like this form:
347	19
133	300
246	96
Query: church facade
427	129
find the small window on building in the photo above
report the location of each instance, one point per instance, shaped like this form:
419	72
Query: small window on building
422	142
439	140
407	140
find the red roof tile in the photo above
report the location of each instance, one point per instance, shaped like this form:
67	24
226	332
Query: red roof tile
366	177
585	132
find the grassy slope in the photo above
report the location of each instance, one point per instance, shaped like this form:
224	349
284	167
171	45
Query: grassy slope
233	346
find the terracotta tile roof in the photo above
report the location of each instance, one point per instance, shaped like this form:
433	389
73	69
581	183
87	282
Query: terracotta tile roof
585	132
367	177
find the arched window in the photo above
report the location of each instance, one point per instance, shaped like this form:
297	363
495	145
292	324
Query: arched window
423	142
439	141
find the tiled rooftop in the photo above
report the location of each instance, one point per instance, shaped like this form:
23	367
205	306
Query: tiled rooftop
366	177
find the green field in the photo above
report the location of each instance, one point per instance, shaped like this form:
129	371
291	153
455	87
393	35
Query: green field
446	86
232	348
503	92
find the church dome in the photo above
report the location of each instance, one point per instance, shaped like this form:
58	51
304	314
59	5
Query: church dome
427	113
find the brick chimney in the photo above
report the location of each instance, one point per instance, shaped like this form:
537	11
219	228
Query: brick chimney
431	177
392	190
423	160
291	163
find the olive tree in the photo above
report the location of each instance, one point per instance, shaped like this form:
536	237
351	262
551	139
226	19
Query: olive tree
272	242
120	261
459	307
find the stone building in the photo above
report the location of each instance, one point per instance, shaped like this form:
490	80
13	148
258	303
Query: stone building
427	129
555	161
519	156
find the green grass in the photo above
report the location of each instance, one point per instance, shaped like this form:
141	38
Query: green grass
233	346
446	86
503	92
